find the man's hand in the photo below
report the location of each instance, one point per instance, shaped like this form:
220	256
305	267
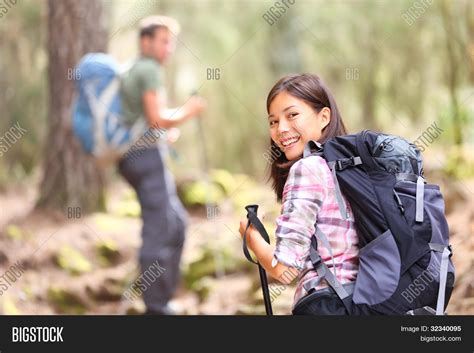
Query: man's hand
195	105
172	135
167	118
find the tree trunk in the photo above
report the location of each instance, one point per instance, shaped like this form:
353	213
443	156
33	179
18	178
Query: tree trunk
71	178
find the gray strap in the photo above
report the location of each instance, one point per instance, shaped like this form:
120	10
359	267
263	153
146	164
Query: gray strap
426	310
443	274
407	177
339	200
322	269
420	191
318	262
308	148
315	261
100	107
324	272
312	283
437	247
321	236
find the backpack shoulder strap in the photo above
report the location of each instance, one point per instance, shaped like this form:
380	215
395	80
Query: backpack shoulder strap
323	270
313	148
446	253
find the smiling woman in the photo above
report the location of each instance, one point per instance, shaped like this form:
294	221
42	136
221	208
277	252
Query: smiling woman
301	109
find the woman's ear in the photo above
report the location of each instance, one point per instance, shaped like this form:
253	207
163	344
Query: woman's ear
325	116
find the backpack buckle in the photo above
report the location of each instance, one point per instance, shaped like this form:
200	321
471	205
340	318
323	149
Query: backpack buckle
313	253
316	262
342	164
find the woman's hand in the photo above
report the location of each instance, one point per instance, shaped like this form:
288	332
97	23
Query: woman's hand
243	227
251	232
264	253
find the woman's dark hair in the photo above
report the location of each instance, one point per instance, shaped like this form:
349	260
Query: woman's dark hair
311	89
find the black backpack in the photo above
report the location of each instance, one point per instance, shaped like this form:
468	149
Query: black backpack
405	262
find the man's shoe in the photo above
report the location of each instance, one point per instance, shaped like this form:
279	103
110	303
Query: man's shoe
166	310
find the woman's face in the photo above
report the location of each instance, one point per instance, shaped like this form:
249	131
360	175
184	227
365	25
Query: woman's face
293	123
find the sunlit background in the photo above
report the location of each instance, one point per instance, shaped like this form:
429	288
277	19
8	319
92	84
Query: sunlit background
399	67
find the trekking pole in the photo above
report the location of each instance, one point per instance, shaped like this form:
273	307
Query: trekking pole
205	162
200	130
253	220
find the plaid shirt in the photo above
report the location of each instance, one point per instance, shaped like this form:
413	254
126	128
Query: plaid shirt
309	200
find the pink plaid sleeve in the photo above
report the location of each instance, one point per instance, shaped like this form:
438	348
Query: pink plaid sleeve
303	196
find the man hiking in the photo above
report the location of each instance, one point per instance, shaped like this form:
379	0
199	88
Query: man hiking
164	217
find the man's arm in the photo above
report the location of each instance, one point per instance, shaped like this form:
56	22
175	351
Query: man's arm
165	118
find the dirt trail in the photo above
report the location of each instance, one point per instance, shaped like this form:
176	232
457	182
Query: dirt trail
83	266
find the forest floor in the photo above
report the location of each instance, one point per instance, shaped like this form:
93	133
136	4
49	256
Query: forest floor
85	264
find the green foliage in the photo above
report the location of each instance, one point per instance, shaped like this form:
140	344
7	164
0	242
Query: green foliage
14	232
209	263
376	56
72	261
223	179
200	193
459	164
66	301
128	208
23	85
108	252
465	117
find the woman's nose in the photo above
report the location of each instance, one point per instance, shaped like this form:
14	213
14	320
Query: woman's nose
283	126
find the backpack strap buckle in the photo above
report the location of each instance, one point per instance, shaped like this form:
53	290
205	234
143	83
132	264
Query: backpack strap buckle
342	164
313	253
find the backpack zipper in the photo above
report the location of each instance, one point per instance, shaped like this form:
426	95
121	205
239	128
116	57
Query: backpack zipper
399	202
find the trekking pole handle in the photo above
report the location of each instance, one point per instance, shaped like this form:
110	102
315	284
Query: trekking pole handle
253	220
251	208
258	225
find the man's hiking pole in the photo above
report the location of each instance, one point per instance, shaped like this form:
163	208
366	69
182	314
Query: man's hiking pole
210	207
200	130
253	220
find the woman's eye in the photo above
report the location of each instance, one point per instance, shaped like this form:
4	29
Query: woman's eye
293	115
273	122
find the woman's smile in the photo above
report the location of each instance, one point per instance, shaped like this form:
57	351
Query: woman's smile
289	142
293	122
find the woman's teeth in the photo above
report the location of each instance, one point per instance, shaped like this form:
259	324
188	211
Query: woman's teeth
290	142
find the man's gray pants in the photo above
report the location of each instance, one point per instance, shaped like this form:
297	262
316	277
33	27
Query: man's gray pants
164	222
